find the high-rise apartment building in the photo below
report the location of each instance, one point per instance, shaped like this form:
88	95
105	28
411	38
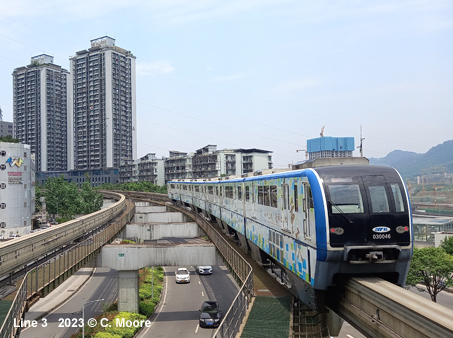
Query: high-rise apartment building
40	111
103	106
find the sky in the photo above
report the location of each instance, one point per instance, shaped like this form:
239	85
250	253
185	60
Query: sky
263	74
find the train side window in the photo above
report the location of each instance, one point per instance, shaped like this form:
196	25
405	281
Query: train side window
229	192
197	188
210	190
311	205
260	195
273	195
266	195
247	194
239	193
285	195
379	201
398	197
296	198
184	187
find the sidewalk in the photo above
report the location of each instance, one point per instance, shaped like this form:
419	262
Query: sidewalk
60	295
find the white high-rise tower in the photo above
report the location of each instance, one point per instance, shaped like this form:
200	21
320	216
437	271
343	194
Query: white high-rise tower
103	111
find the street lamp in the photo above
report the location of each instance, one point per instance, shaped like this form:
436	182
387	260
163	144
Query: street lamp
83	312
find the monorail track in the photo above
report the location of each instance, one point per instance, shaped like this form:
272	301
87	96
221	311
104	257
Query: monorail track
378	308
17	253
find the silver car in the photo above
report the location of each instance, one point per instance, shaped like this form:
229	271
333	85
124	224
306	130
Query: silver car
182	275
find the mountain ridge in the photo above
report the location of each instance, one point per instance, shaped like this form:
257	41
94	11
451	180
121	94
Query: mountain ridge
411	164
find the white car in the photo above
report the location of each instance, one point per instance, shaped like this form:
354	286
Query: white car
182	275
204	269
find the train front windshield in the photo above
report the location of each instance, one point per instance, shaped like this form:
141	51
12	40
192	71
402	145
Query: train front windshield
367	210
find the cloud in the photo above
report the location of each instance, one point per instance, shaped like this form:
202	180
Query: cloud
154	68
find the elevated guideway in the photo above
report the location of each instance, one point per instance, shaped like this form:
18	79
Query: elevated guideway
171	241
378	308
375	307
17	253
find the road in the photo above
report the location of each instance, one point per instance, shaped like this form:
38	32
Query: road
65	319
177	314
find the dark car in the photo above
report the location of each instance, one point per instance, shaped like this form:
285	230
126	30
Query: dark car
210	314
204	269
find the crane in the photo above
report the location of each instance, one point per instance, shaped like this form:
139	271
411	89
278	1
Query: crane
322	131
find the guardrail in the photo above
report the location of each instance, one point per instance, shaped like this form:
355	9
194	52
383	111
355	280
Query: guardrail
43	279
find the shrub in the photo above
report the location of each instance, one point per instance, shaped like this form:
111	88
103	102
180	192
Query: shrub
147	307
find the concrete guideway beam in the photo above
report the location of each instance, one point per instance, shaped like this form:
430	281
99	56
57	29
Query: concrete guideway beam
158	217
135	257
381	309
128	259
146	232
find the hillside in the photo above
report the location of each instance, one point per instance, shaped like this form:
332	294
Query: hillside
410	164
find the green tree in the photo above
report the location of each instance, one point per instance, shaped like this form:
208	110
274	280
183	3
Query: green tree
61	197
433	268
9	139
89	199
66	200
135	186
447	245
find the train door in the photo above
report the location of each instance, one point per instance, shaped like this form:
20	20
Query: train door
285	207
244	196
253	200
308	209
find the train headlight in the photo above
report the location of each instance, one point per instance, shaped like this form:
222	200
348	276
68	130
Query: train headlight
402	230
337	231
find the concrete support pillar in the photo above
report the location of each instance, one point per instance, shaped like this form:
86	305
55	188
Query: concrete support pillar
128	290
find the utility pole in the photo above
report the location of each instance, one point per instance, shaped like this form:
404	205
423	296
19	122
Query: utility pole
361	145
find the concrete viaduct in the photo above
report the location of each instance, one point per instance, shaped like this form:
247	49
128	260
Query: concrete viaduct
166	240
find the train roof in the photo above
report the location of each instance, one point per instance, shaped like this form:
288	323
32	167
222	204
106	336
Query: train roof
325	172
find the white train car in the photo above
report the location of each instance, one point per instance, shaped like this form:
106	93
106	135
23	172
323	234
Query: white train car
316	224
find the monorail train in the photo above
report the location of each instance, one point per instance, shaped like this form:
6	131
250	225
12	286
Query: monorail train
317	224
